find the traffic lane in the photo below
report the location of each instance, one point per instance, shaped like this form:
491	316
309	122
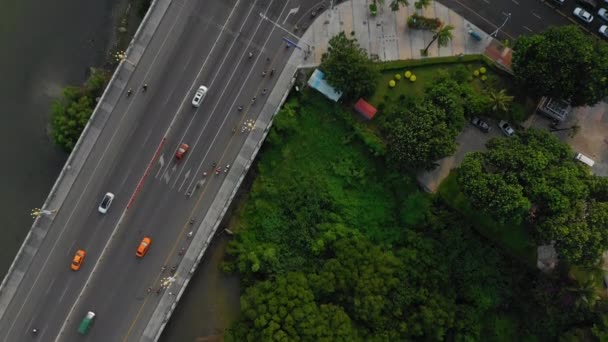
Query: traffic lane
74	199
137	163
228	67
567	11
526	17
146	218
96	199
58	241
168	232
117	296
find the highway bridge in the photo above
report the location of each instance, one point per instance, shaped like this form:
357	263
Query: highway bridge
128	149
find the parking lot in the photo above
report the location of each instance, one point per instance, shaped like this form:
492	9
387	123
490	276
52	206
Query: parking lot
591	139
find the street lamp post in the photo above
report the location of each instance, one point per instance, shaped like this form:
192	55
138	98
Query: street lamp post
37	212
122	56
495	33
307	52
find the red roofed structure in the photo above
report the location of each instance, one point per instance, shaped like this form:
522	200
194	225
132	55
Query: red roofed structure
365	109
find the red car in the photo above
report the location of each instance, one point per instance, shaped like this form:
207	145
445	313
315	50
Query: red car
181	151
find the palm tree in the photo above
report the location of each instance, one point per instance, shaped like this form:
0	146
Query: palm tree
442	35
500	101
420	4
585	292
395	4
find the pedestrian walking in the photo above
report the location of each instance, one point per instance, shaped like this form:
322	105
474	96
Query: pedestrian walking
264	91
145	87
263	73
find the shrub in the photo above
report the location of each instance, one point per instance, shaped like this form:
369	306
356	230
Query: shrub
391	83
407	74
517	113
413	78
484	77
476	73
460	73
482	70
419	22
397	77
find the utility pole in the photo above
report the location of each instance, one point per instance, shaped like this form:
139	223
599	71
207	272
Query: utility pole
307	52
495	33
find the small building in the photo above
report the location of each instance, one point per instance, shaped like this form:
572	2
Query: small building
364	108
316	81
554	109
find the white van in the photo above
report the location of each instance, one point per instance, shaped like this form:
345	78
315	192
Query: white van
584	159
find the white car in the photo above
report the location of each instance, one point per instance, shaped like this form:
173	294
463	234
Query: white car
583	15
506	128
603	14
603	30
199	96
106	202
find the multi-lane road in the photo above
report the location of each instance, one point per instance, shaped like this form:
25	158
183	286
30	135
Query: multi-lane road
196	43
527	16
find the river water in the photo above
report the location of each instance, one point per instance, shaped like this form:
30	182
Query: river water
45	46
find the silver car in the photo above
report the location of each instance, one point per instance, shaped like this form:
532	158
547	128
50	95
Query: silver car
106	202
199	96
603	14
506	128
603	30
583	15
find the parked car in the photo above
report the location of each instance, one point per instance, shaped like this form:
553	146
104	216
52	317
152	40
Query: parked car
559	2
603	14
106	202
603	30
583	15
181	151
506	128
482	125
199	96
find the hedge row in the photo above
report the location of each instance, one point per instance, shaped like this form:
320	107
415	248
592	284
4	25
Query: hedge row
410	63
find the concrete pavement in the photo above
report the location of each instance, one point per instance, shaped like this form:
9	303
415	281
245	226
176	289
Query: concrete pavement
387	35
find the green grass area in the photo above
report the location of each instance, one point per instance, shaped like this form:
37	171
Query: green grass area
320	145
427	73
512	238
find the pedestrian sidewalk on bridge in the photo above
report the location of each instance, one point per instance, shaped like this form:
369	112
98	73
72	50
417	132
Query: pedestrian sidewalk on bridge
387	36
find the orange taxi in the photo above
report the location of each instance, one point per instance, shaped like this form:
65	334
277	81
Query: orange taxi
78	259
142	249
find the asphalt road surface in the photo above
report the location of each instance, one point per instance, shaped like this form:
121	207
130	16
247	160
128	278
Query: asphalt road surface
527	16
197	43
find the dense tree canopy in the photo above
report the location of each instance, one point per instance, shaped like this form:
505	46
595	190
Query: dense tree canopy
533	175
425	133
71	113
348	68
563	62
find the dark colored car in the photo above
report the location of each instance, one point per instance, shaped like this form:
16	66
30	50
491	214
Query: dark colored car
482	125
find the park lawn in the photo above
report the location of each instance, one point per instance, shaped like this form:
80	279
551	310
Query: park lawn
512	238
425	76
523	106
